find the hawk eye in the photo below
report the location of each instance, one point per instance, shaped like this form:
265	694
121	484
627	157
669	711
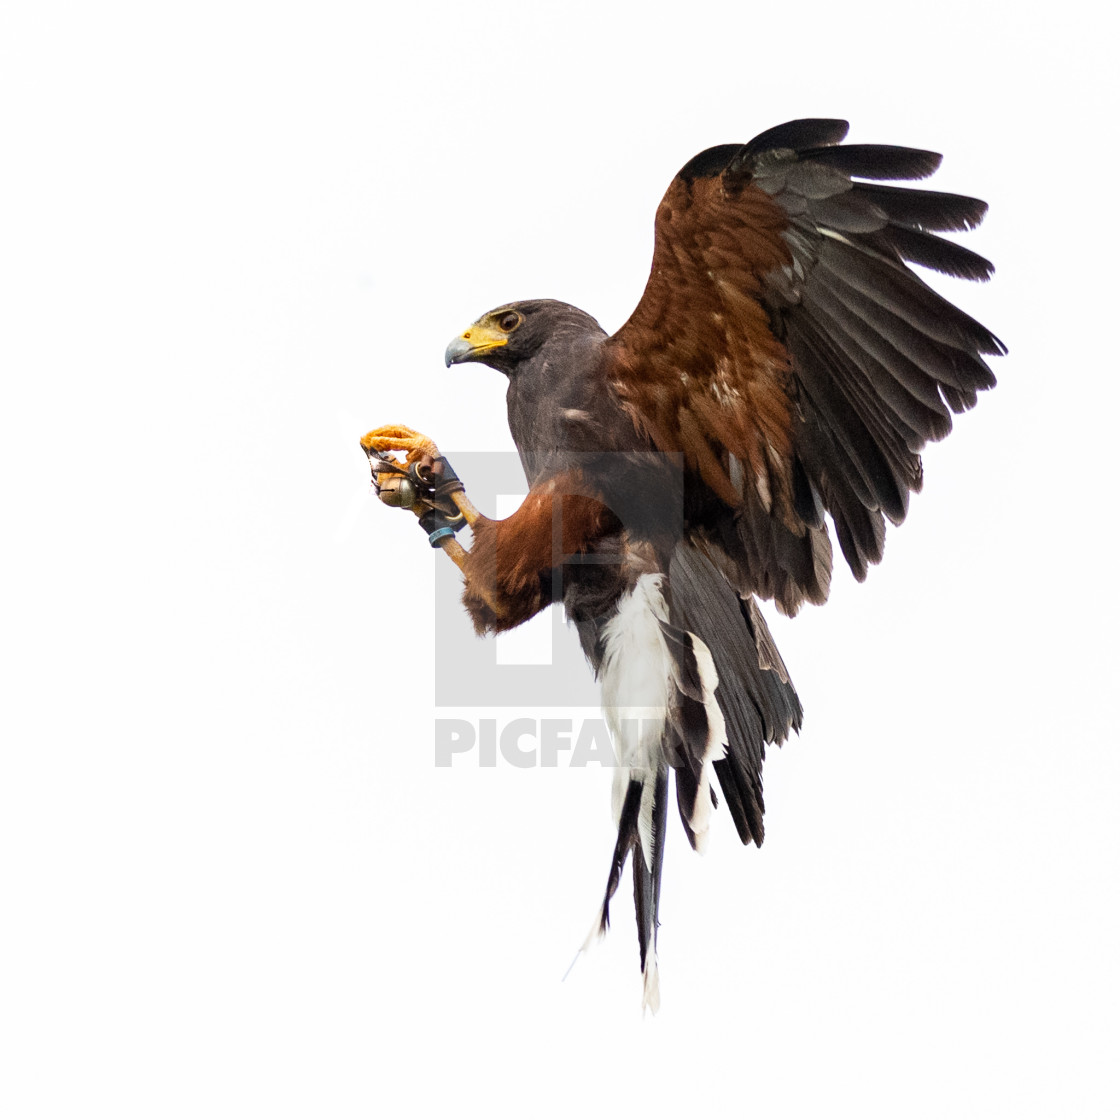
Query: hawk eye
509	320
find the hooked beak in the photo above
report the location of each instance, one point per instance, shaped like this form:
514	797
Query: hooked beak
472	344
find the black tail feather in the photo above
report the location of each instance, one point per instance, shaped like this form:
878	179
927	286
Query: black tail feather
647	879
647	874
627	839
759	704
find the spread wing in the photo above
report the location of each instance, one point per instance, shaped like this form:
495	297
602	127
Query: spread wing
786	348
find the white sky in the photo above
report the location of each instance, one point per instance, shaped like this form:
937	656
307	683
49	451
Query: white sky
235	237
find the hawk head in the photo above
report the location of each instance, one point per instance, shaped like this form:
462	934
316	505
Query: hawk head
517	333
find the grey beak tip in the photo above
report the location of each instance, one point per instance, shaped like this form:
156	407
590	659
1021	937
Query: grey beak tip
457	350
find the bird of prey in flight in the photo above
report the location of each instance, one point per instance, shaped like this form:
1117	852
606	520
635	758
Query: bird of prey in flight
783	370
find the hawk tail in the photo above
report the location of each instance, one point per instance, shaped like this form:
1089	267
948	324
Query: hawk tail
645	801
659	693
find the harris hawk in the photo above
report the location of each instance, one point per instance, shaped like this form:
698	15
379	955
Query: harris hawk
783	369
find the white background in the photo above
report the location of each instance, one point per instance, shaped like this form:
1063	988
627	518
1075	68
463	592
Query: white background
234	884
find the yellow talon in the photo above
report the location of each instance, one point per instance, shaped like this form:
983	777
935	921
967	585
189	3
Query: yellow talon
396	437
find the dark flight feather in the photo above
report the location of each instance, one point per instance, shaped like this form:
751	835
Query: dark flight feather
933	252
806	133
876	161
919	209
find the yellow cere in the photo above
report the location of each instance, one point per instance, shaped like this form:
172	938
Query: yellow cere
483	337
